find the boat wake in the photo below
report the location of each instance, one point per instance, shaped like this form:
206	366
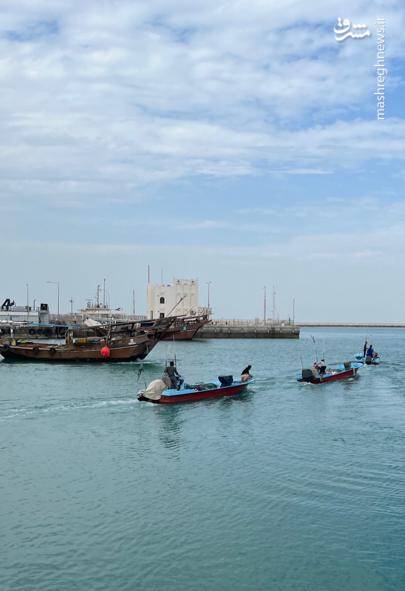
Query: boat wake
68	406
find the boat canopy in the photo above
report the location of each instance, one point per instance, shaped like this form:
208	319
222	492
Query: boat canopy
155	389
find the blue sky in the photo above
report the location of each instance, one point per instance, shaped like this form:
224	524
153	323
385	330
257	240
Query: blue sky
234	141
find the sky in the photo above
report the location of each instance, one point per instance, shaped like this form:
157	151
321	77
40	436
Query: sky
234	141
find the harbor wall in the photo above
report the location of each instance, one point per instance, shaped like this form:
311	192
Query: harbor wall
235	330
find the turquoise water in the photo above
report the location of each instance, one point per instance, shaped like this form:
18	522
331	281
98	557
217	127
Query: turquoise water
289	487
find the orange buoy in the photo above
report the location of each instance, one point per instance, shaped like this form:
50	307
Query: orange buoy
105	352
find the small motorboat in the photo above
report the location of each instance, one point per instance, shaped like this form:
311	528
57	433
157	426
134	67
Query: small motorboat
374	360
158	392
343	371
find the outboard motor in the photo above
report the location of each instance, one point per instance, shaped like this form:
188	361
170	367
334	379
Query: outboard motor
225	380
307	375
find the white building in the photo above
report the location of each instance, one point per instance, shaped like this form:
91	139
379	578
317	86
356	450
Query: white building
18	314
179	298
22	314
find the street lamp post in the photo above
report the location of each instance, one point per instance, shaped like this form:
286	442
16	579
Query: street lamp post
28	299
208	295
264	304
58	287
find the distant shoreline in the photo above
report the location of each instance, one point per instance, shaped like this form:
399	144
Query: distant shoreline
350	324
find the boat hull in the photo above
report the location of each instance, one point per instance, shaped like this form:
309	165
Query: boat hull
185	328
335	377
177	397
372	361
58	354
181	335
368	360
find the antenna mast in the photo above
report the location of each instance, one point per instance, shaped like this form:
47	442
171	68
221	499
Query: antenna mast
264	304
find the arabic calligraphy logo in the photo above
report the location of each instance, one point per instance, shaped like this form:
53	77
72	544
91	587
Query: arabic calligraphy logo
345	28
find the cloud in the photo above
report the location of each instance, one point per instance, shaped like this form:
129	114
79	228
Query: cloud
136	130
101	100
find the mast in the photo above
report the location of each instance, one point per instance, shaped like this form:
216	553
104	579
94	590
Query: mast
264	304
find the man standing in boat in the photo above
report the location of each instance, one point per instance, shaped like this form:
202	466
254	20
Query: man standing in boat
321	367
245	375
369	355
173	375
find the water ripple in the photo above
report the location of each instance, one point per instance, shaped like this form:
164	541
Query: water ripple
288	487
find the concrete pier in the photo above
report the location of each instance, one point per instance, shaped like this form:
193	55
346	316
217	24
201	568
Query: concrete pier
351	324
247	329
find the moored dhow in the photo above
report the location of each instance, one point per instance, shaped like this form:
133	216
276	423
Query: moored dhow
183	328
115	343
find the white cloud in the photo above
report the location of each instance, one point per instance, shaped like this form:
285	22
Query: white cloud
123	94
104	104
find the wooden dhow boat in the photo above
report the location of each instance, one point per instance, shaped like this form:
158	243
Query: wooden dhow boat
183	328
115	343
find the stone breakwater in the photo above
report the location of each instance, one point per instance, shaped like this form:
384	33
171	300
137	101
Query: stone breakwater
246	331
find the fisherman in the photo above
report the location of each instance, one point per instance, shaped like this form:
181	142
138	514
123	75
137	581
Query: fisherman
245	375
370	352
173	375
321	366
365	349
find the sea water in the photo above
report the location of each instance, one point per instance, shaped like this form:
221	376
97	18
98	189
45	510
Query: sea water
287	487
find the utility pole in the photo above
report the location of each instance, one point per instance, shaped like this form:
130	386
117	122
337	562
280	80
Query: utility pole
274	305
208	295
58	287
264	304
104	293
133	302
28	300
148	274
71	306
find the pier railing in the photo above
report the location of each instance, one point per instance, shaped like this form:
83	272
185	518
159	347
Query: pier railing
250	322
